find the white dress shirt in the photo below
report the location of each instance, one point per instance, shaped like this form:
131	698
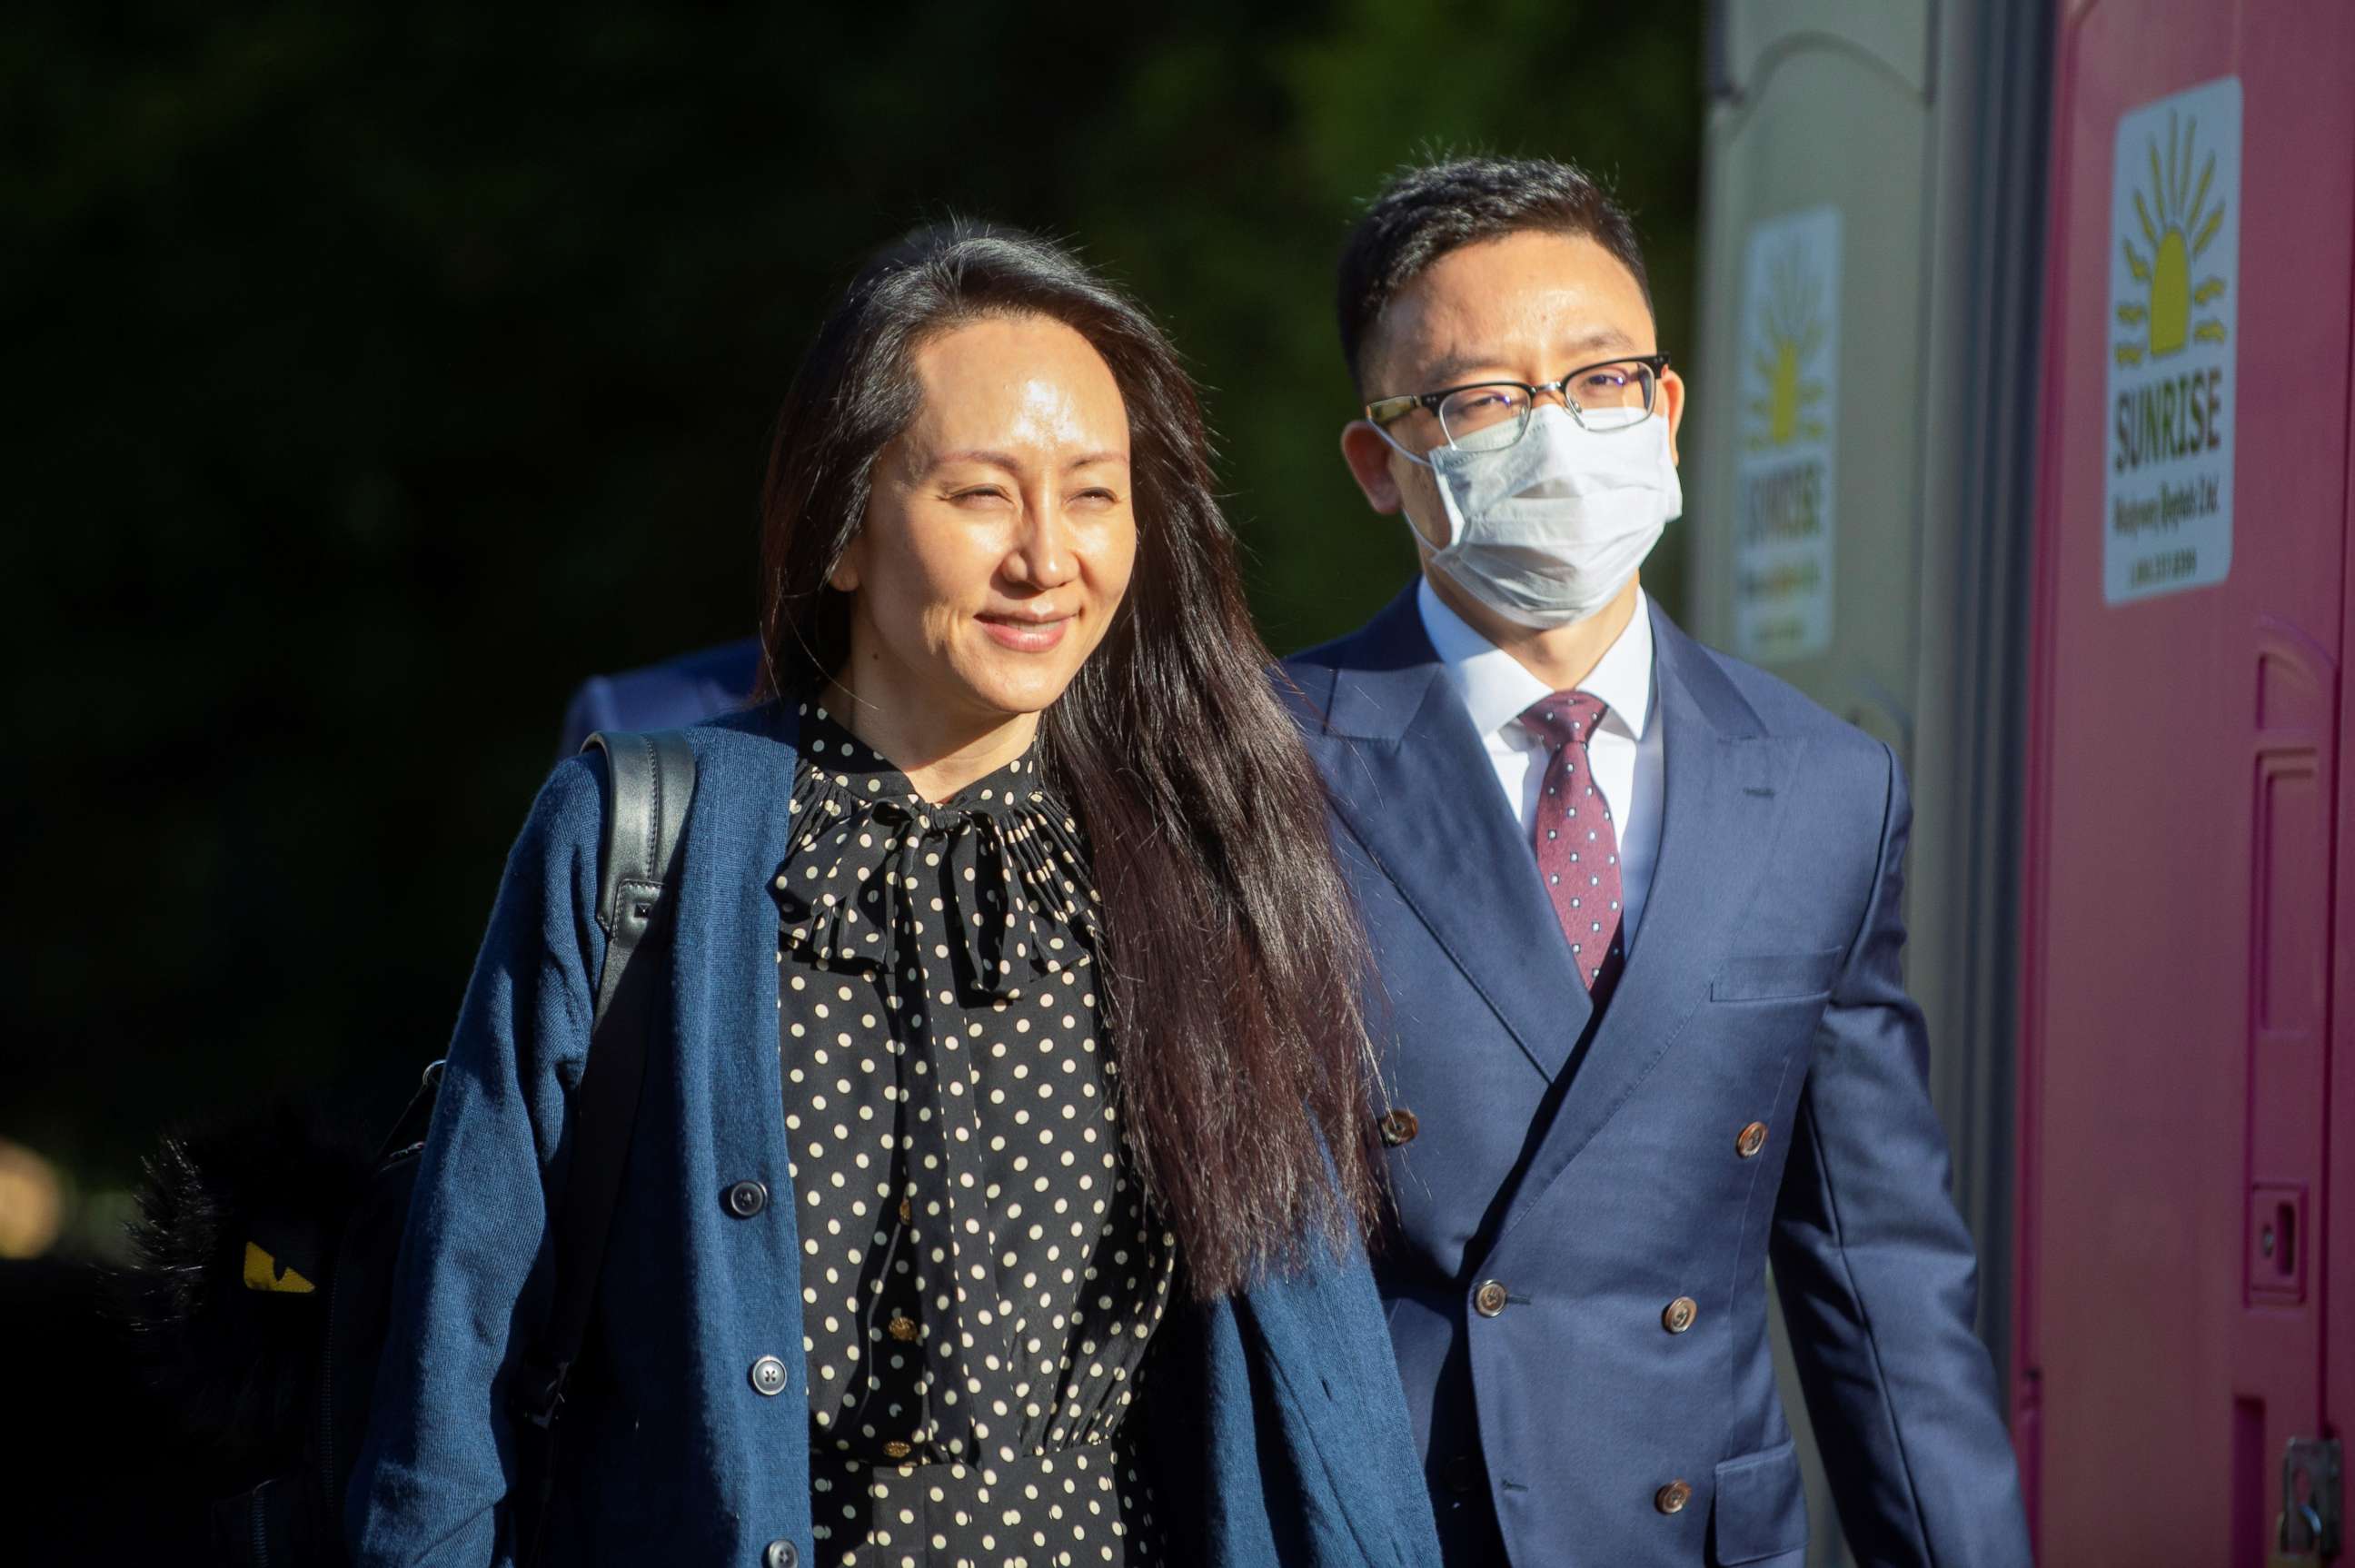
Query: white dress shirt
1624	752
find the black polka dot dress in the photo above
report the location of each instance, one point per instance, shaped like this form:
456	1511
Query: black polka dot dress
981	1272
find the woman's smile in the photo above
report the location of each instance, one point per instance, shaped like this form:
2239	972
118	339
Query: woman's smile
1026	631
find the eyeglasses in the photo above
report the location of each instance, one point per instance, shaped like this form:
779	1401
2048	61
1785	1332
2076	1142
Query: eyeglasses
1487	416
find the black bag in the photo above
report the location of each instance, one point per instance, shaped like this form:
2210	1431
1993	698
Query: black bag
263	1286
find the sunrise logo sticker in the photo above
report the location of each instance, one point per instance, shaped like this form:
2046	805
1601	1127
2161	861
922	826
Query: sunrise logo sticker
1786	489
2175	267
2178	224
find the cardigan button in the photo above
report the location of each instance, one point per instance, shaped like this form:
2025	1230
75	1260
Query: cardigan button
1672	1497
747	1199
769	1377
1679	1314
1752	1140
1399	1125
780	1554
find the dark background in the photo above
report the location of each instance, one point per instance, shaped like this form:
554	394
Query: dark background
380	374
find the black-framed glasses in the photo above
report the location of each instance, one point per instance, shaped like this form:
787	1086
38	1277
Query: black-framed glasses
1487	416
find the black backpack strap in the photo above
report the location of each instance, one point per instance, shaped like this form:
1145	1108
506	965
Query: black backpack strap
649	783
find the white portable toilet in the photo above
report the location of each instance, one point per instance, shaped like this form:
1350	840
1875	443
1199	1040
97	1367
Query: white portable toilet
1858	468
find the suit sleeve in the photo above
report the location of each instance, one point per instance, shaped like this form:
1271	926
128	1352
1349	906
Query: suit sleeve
591	709
1877	1274
433	1480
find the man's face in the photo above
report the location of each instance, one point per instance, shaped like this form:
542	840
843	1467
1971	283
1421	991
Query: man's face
1527	307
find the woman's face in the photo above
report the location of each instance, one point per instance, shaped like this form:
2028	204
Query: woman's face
1001	530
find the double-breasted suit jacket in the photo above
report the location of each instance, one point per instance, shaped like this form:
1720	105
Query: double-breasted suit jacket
1586	1204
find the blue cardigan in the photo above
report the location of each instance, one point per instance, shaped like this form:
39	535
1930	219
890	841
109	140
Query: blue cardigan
1279	1431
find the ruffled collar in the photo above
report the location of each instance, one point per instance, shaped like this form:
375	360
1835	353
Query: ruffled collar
998	876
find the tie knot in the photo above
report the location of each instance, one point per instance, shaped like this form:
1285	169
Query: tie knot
1564	718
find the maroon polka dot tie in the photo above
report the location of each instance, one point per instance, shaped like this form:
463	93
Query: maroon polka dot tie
1577	846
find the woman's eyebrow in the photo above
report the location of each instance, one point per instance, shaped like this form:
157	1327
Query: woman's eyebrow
1014	465
988	459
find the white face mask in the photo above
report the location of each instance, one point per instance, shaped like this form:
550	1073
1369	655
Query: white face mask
1548	530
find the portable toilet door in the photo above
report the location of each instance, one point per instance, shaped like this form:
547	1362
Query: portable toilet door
1861	478
2184	1322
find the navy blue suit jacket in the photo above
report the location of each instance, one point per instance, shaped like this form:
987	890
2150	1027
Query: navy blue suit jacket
1594	1167
1276	1428
677	692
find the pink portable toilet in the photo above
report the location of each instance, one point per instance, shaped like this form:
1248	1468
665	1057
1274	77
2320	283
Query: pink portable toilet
2184	1320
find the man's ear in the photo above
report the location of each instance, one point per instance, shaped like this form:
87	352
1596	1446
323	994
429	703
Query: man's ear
1672	404
1369	457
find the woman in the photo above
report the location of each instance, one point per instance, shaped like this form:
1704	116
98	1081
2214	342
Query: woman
1012	965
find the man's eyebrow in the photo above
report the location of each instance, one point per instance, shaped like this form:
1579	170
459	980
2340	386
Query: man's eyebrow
1455	369
1603	339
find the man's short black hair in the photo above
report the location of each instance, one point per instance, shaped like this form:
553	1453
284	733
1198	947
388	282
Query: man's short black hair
1427	211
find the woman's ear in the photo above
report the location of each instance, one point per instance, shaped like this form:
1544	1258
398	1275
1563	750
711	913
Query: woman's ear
1369	457
844	578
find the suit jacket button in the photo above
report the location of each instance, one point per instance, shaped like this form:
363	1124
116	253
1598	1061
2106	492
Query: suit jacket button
1488	1301
1462	1473
1752	1140
1672	1497
747	1199
769	1376
780	1554
1679	1314
1399	1125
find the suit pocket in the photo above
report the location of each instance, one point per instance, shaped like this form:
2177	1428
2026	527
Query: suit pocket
1762	1508
1772	977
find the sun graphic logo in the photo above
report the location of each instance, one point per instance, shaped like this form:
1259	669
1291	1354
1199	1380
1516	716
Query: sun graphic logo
2180	218
1784	485
1791	335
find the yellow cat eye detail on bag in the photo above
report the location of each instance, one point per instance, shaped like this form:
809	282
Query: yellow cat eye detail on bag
263	1272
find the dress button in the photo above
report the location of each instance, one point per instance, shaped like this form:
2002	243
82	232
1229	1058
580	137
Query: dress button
907	1215
769	1376
780	1554
1752	1140
1489	1299
1679	1314
895	1449
902	1328
1672	1497
1462	1474
1398	1126
747	1199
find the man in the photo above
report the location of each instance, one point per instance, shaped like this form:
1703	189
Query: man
682	690
1635	907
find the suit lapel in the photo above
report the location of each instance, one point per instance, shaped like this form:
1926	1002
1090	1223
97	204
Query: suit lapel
1412	782
1725	786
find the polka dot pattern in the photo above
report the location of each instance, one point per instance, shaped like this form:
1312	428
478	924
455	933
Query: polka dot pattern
1576	842
981	1270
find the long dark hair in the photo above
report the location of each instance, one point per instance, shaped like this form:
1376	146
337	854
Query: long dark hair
1233	960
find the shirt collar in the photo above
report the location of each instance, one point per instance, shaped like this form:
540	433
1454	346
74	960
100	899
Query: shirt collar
1497	689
